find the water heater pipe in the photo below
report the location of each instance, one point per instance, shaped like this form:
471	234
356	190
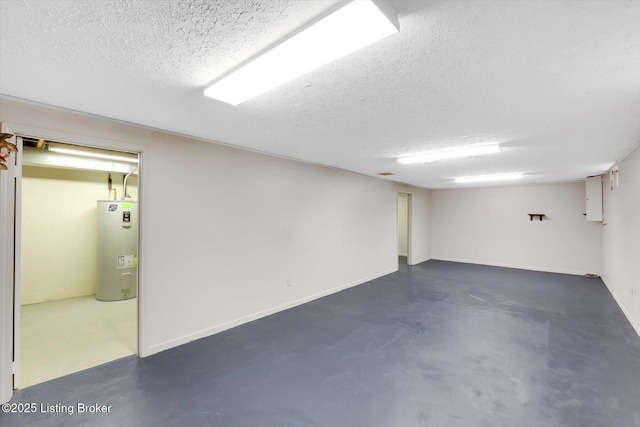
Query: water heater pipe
124	185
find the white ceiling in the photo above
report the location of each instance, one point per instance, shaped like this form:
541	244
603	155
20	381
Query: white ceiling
556	82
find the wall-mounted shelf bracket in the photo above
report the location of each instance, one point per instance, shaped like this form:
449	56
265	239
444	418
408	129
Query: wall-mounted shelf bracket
540	216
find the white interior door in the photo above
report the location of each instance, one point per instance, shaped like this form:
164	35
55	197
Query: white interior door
10	203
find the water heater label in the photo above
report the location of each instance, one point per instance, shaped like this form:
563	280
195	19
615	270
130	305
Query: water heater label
112	207
127	261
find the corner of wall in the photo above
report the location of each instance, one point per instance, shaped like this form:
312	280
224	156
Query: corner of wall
627	313
620	248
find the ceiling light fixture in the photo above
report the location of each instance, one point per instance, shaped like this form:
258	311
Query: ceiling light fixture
451	154
489	178
354	26
92	154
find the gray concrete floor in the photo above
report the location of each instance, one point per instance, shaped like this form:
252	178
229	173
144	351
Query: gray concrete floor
437	344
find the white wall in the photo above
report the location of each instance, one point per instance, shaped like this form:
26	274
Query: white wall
228	236
420	226
621	238
59	233
491	226
403	224
254	234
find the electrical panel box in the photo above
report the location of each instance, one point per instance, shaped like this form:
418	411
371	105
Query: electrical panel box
594	198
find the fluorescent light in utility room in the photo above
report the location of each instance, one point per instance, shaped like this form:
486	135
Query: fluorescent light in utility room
451	154
91	154
353	26
489	178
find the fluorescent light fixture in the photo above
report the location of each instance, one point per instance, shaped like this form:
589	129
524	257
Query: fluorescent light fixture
451	154
92	154
354	26
489	178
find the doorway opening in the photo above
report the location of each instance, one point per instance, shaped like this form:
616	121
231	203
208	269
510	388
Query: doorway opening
78	304
404	229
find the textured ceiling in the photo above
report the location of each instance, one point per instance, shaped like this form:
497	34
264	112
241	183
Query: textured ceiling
556	82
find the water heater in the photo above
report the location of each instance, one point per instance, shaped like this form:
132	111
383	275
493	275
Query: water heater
117	250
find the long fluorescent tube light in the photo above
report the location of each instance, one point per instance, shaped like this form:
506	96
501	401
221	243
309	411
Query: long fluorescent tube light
489	178
92	154
354	26
451	154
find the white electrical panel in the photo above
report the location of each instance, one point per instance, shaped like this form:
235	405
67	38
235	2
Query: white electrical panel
594	198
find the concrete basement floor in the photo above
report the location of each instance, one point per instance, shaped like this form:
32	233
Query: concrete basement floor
60	337
437	344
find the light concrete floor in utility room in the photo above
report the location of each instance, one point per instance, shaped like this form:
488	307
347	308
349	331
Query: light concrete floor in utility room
65	336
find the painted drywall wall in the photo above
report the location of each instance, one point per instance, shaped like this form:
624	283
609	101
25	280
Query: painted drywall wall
621	237
403	224
420	240
59	257
491	226
228	235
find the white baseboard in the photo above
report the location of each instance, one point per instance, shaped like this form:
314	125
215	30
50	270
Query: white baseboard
418	261
519	267
627	313
634	324
156	348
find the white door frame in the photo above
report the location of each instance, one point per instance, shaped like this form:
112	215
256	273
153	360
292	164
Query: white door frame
8	220
8	189
409	225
